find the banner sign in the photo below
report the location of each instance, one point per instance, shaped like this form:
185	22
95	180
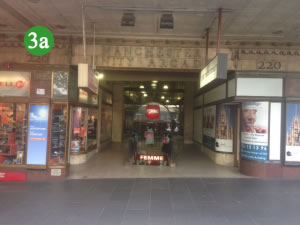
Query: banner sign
156	160
224	128
38	134
216	69
209	127
254	134
153	112
292	149
14	83
12	176
87	78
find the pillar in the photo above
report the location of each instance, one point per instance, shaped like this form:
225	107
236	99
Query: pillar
118	113
99	122
188	112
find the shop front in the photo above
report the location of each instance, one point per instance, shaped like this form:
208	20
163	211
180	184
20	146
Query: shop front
251	120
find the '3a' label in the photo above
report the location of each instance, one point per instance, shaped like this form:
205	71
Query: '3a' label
38	40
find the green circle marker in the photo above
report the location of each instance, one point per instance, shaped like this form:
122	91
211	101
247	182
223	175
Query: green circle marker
38	40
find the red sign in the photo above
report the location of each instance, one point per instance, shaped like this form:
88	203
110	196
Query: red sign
155	160
12	176
153	112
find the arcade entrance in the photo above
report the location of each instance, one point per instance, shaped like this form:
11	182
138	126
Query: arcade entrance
154	117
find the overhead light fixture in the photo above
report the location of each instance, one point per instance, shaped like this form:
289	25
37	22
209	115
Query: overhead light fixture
178	98
143	92
131	94
145	95
142	87
128	20
155	81
162	97
166	21
167	101
153	85
166	87
99	75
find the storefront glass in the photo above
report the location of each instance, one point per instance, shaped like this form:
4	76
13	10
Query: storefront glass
79	130
58	135
13	133
92	129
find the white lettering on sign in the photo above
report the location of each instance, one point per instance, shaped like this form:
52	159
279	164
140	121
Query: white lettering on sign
2	175
56	172
152	111
152	157
40	91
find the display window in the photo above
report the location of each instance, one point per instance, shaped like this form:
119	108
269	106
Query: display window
13	133
79	130
92	129
60	85
58	135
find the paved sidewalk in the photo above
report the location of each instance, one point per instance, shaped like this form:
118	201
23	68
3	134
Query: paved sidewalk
187	201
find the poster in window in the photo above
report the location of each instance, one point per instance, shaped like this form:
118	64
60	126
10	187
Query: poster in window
224	128
292	149
60	85
209	127
38	134
254	131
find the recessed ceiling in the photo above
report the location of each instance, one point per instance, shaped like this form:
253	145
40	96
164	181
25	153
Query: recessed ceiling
273	20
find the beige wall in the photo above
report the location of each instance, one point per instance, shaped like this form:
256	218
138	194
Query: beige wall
118	113
188	112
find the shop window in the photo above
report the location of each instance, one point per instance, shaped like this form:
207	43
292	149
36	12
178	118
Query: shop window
13	133
92	129
58	135
79	130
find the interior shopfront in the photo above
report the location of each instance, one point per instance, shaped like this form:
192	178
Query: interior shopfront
35	133
251	120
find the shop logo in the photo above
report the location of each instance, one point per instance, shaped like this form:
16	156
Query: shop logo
18	84
153	112
152	157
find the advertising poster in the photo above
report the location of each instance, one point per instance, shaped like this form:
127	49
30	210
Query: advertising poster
224	128
254	133
38	133
292	149
209	127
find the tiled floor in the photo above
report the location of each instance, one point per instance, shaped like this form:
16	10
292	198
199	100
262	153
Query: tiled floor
164	201
111	163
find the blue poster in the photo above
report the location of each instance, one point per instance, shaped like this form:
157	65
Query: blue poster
38	135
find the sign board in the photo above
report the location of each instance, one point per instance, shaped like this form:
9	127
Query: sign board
56	172
153	112
12	176
209	127
216	69
156	160
14	83
87	78
38	134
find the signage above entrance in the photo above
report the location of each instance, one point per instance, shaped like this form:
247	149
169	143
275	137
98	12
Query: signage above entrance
14	83
87	79
153	112
216	69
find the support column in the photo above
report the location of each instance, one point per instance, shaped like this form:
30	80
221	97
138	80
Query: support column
99	124
188	112
118	113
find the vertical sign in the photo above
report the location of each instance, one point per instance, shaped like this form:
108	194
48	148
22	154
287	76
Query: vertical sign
292	149
209	127
254	134
38	133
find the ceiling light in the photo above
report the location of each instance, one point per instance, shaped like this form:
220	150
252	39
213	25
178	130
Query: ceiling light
145	95
178	98
128	20
155	81
99	76
166	87
153	85
162	97
143	92
167	101
166	21
142	87
131	94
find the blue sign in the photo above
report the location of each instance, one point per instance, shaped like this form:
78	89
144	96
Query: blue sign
38	135
254	152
